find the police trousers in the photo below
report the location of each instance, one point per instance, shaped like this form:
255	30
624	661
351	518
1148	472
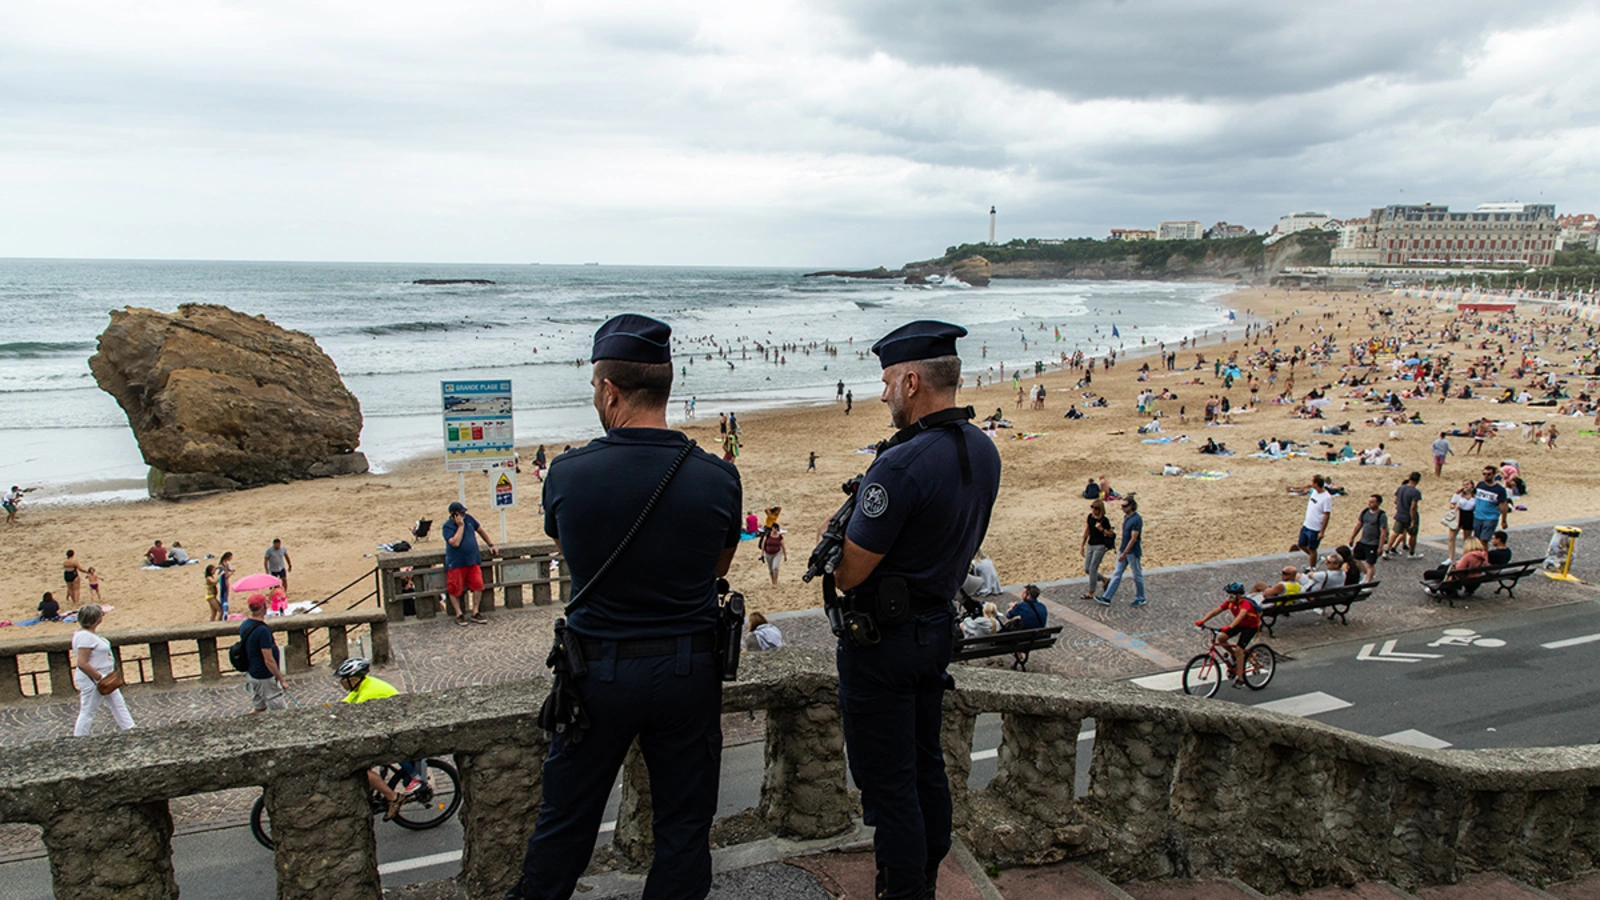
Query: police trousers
673	705
892	697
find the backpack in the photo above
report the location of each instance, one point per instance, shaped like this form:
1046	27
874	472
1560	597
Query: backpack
238	657
772	543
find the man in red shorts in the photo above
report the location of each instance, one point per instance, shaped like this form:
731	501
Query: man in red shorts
462	562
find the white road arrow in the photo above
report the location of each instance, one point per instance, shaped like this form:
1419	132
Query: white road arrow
1389	654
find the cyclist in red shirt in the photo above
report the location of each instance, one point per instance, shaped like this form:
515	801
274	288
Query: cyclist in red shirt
1246	622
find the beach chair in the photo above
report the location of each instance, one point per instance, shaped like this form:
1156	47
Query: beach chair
421	529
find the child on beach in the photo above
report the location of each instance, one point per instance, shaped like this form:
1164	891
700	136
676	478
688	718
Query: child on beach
94	585
211	595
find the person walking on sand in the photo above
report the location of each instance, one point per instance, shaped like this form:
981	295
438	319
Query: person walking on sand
71	572
811	464
12	502
1319	509
1441	449
849	401
772	552
1132	555
278	564
92	669
93	578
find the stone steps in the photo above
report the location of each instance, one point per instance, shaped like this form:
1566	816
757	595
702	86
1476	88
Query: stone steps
1192	889
1483	886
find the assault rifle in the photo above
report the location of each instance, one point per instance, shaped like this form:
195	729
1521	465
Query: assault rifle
830	549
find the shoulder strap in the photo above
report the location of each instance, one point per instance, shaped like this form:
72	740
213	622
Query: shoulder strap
638	523
955	415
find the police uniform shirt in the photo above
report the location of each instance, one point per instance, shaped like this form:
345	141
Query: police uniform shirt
914	509
664	584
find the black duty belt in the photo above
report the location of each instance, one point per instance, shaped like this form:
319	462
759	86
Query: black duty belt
928	604
705	642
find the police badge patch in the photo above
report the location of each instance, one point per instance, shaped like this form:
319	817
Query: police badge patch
874	500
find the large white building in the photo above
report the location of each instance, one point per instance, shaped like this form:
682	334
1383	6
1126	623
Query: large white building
1301	221
1180	231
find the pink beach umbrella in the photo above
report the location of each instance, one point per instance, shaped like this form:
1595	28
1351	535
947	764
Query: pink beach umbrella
258	582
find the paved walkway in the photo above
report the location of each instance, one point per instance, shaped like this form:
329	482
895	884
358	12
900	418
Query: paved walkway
1114	642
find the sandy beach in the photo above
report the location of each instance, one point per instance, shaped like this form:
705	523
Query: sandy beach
331	527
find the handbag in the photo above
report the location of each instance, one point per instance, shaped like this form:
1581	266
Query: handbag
562	711
110	682
1451	517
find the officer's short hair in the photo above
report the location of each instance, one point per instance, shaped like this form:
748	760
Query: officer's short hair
644	384
942	373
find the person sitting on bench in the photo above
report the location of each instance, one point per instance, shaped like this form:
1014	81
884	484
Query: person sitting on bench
983	625
1445	580
1499	553
1028	612
1288	586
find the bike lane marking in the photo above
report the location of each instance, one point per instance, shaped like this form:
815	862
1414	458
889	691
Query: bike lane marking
1571	642
1310	704
1414	738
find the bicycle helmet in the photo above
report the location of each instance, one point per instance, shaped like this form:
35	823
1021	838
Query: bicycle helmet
1235	588
354	667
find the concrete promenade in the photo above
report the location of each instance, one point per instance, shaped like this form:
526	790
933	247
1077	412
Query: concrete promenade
1115	642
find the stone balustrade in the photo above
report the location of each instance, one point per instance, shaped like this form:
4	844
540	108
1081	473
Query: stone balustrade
1174	782
412	582
157	665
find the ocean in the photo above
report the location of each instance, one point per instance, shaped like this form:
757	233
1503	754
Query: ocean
395	341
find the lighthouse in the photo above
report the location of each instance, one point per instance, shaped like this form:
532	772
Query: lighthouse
991	225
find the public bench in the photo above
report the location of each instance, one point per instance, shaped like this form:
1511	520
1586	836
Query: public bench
1334	602
1018	643
1504	577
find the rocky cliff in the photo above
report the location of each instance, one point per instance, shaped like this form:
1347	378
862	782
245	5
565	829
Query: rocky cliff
219	400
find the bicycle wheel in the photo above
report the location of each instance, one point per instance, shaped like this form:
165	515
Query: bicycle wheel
1259	665
260	824
436	801
1202	676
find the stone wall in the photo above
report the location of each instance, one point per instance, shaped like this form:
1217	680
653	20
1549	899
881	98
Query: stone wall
1174	779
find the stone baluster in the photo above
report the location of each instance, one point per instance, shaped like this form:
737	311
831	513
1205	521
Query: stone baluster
297	652
161	664
955	738
803	793
10	679
634	841
60	665
338	646
380	650
1027	806
120	852
1425	819
322	825
564	586
1130	785
501	793
210	667
491	574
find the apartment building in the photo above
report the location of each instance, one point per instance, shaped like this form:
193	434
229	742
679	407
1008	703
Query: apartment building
1503	234
1179	231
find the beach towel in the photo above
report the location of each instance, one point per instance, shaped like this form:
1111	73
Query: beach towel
1219	453
1180	439
1208	476
192	562
1028	435
871	451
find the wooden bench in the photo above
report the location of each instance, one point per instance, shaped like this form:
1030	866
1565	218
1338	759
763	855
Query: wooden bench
1018	643
1335	602
1504	577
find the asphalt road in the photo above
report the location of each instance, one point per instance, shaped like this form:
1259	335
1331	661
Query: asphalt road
1493	684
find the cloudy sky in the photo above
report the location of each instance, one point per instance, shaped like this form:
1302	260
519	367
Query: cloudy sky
821	133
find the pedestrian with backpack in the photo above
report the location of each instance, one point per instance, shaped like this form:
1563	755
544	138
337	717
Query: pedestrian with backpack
263	677
772	550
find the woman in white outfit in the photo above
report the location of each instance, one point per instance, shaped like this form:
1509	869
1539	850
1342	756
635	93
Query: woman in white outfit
92	662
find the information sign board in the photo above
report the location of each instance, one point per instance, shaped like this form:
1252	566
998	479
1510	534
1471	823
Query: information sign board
478	432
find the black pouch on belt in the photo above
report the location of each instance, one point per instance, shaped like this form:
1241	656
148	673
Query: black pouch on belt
893	603
563	712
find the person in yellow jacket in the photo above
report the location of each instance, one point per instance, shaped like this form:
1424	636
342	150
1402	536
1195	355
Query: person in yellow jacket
353	675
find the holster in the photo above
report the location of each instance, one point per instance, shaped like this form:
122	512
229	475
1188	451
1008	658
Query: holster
730	627
563	712
860	616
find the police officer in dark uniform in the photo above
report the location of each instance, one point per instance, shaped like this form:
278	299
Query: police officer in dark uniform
921	511
645	628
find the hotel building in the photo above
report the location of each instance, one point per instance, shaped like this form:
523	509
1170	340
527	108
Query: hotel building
1494	234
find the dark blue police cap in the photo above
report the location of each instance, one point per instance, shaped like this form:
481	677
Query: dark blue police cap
633	338
923	339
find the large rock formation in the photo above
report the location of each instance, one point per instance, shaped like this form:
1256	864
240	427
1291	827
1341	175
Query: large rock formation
219	400
973	270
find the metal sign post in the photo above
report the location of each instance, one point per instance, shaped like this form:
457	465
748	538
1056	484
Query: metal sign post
503	492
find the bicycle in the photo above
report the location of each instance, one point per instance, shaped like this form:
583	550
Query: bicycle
429	806
1206	672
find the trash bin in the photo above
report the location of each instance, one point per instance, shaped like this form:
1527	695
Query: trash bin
1558	558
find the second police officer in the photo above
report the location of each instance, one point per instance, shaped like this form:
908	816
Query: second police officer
644	628
921	511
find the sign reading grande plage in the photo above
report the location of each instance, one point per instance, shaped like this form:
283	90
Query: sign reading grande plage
478	433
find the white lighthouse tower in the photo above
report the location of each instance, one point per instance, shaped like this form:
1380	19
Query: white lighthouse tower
991	225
